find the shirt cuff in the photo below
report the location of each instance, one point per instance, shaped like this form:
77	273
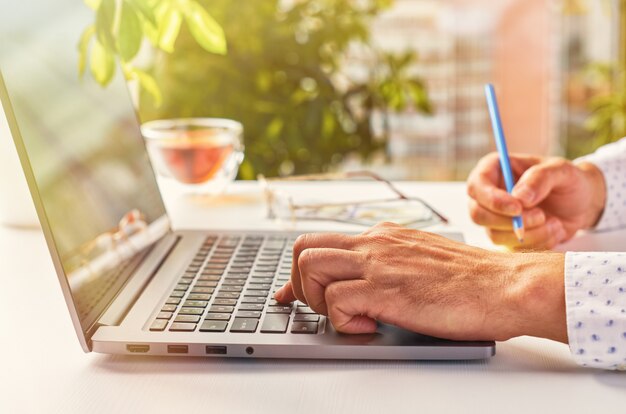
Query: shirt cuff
595	301
611	160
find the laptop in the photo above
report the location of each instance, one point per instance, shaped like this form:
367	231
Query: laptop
132	284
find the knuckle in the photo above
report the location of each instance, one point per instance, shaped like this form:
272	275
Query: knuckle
476	213
471	188
332	295
306	259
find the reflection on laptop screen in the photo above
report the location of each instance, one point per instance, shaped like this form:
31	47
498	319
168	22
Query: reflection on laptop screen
97	188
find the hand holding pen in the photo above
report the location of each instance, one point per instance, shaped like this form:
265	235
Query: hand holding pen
554	197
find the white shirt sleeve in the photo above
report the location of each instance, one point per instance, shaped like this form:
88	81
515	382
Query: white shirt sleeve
595	283
611	160
595	299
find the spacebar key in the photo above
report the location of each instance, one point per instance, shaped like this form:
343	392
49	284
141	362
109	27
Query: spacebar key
275	323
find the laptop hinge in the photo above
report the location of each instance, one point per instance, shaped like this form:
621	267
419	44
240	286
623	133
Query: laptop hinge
138	281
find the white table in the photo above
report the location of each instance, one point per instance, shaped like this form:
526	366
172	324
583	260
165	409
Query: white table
43	368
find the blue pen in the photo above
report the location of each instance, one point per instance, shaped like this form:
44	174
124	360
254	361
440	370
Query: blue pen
505	163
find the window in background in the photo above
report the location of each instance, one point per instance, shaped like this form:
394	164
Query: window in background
396	86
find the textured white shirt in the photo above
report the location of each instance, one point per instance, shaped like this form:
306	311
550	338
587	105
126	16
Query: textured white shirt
595	283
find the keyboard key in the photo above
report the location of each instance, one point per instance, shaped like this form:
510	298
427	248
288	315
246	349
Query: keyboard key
172	301
279	309
206	283
260	286
229	288
227	295
211	272
182	327
187	318
158	325
267	269
221	309
213	326
181	287
196	304
234	282
253	299
304	327
199	296
244	325
177	294
185	281
304	309
164	315
258	293
306	317
228	302
168	308
251	307
208	290
237	275
209	278
191	311
261	280
275	323
248	314
217	317
263	274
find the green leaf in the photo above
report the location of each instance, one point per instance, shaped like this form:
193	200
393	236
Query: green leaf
93	4
102	64
169	28
83	48
204	29
105	16
148	83
145	9
130	34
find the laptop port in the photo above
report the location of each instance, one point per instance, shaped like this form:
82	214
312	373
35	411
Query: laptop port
215	350
137	348
177	349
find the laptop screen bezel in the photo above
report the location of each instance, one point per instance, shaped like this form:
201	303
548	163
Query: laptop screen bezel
84	334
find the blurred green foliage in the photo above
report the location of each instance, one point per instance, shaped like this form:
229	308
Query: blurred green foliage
607	81
283	78
121	26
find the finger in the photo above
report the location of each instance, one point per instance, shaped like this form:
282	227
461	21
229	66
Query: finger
538	181
351	307
321	267
484	190
315	240
483	217
543	237
522	162
285	294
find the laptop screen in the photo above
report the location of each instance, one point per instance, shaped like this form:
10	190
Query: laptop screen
98	198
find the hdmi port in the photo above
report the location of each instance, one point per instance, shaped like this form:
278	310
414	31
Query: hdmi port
135	348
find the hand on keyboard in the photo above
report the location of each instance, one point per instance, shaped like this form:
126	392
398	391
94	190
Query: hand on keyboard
418	281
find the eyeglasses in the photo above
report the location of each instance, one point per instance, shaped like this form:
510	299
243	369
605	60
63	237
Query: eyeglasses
411	212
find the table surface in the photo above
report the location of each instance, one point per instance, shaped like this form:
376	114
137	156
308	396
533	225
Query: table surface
45	370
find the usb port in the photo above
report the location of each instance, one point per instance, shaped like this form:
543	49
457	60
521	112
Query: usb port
137	348
177	349
216	350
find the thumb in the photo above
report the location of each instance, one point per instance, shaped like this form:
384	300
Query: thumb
536	184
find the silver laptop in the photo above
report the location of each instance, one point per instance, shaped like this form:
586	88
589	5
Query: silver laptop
131	283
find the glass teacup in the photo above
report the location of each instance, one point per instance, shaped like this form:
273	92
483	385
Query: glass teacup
202	154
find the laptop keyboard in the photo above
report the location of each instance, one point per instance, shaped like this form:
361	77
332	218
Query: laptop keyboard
228	287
